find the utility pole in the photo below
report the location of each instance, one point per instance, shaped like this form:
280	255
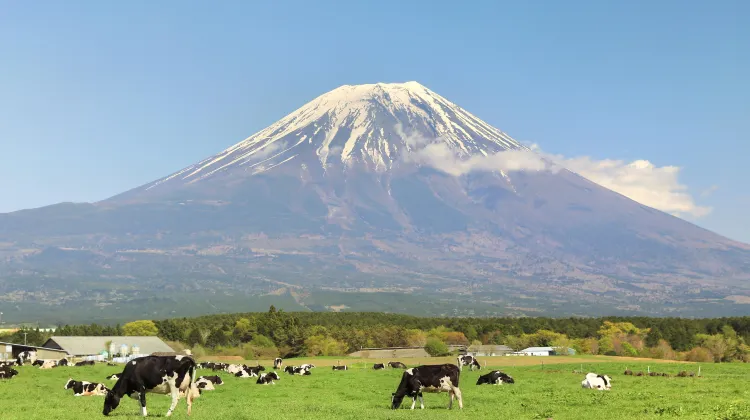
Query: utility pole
1	317
24	338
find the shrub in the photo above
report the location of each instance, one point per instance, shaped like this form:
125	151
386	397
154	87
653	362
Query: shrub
435	347
699	354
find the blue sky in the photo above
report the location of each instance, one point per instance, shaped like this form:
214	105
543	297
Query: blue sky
100	97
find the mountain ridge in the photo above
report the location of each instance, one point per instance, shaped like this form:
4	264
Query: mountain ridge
382	188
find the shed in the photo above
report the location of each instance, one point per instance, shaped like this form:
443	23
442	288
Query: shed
546	351
94	345
9	351
488	350
390	352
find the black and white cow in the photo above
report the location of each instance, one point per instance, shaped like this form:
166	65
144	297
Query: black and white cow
397	365
114	376
495	377
467	360
594	381
378	366
234	369
85	388
85	363
38	362
7	372
216	380
246	373
278	363
156	374
8	363
428	378
307	366
204	385
62	362
47	364
342	367
268	378
290	369
26	356
301	371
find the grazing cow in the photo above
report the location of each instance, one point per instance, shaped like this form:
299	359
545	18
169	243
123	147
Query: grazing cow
114	376
378	366
470	361
85	363
85	388
594	381
213	379
307	366
157	374
7	372
396	365
26	356
495	377
268	378
278	363
428	378
340	367
204	385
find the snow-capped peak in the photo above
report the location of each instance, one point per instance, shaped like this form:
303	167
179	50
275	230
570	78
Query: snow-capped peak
370	125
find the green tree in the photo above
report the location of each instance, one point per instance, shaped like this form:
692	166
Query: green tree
195	338
435	347
244	329
140	328
217	338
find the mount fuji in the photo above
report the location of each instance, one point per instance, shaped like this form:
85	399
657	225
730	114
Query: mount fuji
370	197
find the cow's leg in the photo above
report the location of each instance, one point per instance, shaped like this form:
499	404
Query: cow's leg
421	401
142	399
457	393
174	391
413	402
450	404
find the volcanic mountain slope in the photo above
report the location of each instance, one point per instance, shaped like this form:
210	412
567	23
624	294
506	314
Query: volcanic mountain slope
369	191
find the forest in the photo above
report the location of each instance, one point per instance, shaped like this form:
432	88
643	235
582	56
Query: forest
275	332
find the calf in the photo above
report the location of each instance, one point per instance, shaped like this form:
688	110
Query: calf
7	372
84	388
397	365
378	366
339	367
428	378
267	378
470	361
594	381
156	374
278	363
213	379
495	377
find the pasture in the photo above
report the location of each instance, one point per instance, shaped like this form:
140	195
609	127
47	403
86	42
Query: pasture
540	392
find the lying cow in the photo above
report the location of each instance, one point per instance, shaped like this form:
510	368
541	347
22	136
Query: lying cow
85	363
216	380
397	365
342	367
7	372
204	384
48	364
378	366
496	378
172	375
428	378
85	388
307	366
246	373
594	381
301	371
470	361
267	378
234	369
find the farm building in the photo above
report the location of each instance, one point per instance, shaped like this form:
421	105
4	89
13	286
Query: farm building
487	350
9	351
86	346
390	352
545	351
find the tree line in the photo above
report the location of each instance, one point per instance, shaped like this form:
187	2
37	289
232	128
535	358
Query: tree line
275	332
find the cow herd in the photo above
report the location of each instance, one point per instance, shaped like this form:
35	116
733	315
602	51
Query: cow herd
177	377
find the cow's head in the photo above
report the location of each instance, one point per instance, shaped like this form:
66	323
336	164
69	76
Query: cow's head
70	384
396	400
111	401
507	379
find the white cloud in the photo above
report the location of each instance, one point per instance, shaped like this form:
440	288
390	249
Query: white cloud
640	180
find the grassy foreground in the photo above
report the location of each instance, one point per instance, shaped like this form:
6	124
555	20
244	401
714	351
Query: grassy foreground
540	392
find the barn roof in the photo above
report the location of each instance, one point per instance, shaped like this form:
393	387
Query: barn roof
3	343
89	345
533	349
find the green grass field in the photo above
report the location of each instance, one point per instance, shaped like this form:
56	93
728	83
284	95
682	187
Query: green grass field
540	392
